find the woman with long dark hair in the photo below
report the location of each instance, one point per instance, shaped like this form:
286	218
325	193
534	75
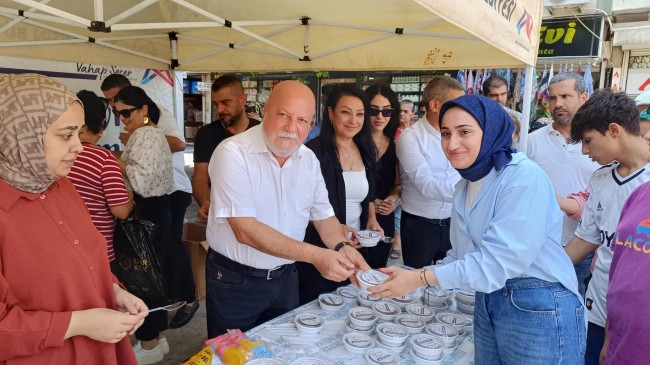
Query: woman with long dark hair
384	118
147	167
348	161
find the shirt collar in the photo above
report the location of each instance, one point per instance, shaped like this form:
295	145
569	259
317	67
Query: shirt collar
9	195
427	126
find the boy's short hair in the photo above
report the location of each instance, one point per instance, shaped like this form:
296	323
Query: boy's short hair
601	109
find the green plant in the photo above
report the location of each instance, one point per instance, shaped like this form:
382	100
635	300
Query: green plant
322	74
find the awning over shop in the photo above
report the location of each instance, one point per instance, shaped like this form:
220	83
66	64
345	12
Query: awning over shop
632	35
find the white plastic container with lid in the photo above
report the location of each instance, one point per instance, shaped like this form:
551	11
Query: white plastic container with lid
458	321
439	307
421	310
392	334
445	332
396	349
402	301
464	307
434	295
420	360
368	238
370	278
427	346
413	324
330	302
386	311
466	296
350	328
362	317
348	293
308	361
358	343
365	300
379	356
309	323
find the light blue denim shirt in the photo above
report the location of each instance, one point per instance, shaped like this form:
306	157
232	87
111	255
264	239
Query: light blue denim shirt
510	231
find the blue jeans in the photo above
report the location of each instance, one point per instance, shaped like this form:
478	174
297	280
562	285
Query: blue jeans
582	272
529	321
237	296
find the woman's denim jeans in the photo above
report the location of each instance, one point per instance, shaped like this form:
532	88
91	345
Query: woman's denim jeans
529	321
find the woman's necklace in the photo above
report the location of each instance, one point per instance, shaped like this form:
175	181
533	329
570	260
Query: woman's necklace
346	156
381	146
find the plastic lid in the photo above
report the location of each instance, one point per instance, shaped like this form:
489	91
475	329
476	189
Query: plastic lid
363	314
310	320
309	361
436	292
386	308
419	310
371	277
410	321
332	300
442	330
408	298
392	330
366	296
382	356
427	342
347	292
359	340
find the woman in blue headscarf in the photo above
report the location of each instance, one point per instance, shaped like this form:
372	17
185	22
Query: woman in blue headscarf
505	245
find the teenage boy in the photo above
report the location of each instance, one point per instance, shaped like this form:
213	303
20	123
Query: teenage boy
608	126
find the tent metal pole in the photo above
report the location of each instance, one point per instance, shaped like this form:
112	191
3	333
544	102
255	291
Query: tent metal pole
31	15
252	23
209	15
127	13
99	10
166	26
227	46
17	18
42	43
528	97
54	11
135	37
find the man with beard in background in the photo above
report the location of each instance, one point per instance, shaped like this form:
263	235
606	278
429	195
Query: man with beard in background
229	103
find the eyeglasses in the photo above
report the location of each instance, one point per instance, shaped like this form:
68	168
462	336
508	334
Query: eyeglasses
126	113
384	112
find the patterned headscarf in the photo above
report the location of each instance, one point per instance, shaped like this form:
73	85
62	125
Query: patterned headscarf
496	147
29	104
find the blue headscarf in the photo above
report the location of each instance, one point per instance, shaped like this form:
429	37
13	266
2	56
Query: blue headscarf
497	128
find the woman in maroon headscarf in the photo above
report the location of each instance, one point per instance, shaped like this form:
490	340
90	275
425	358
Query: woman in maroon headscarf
59	302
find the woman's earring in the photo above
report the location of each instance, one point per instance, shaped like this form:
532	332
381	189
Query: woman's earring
146	120
102	133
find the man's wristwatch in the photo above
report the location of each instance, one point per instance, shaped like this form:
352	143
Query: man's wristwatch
341	244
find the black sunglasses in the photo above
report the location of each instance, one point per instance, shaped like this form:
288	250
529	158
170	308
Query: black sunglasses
384	112
126	113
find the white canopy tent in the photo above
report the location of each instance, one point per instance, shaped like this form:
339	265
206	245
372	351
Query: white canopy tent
278	35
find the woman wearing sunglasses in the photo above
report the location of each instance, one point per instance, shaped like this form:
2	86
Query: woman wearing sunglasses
147	167
348	162
384	121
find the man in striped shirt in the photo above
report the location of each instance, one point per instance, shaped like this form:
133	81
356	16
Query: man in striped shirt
96	174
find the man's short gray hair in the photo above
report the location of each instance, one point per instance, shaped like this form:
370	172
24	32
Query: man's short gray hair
580	85
406	102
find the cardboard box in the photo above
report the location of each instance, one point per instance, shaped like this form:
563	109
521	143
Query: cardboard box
197	249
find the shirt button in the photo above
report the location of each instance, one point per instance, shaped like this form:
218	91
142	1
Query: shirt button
42	196
76	242
60	221
92	268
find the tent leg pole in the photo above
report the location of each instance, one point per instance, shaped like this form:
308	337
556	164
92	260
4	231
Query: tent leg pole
525	120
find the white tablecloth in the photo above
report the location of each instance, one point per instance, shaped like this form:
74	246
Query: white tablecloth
282	338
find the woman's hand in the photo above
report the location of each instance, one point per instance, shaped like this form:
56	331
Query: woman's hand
351	234
102	324
129	303
399	283
359	262
386	206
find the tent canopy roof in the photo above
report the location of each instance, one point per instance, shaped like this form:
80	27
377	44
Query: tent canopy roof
280	35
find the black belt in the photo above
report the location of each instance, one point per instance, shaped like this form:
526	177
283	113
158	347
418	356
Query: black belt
439	222
235	266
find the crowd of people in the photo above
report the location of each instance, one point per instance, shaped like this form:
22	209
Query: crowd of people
551	238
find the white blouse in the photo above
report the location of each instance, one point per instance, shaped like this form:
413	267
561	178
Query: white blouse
356	190
148	163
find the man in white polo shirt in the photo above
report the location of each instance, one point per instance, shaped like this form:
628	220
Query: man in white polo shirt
563	161
428	179
266	187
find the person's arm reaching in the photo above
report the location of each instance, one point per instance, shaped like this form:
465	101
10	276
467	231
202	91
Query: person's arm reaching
201	189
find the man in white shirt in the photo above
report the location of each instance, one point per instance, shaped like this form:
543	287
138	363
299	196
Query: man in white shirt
266	188
563	161
179	270
428	179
